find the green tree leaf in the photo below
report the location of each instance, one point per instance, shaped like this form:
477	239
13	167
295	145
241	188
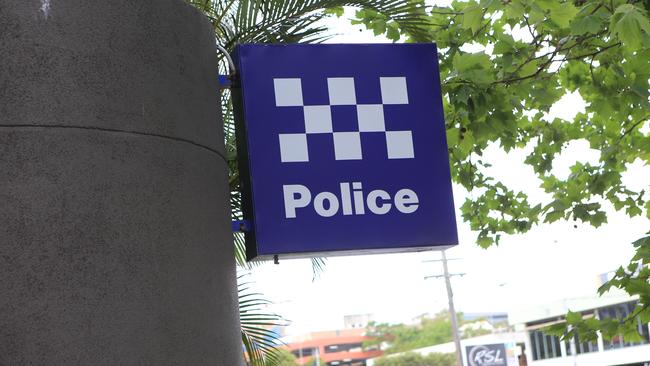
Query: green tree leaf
472	17
631	25
586	25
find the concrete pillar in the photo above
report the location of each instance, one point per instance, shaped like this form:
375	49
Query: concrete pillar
115	243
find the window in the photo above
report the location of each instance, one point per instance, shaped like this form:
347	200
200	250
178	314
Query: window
544	346
620	311
346	347
304	352
581	347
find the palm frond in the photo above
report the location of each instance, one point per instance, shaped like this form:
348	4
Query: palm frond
279	21
290	21
258	337
287	21
317	267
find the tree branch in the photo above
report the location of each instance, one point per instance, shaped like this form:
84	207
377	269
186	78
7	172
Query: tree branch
635	125
593	53
521	78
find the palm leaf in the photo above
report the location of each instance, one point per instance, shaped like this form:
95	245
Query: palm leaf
318	266
289	21
279	21
259	340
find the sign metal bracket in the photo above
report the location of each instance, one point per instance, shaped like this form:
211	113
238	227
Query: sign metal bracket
241	226
226	81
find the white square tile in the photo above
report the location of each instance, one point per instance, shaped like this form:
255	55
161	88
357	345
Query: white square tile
293	148
341	91
288	92
400	145
393	90
318	119
371	118
347	146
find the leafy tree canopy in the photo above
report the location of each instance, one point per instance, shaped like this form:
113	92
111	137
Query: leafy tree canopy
635	280
402	338
285	358
313	362
503	65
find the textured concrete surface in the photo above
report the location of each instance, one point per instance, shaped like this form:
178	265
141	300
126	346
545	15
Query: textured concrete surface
145	66
115	245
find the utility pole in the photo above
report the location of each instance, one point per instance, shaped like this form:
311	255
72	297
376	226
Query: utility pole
452	309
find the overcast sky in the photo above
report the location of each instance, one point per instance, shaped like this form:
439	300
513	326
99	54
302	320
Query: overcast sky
550	263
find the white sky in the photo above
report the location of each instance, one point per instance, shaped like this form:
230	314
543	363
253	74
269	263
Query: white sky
550	263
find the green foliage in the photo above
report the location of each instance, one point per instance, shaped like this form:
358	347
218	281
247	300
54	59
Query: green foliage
260	342
471	333
294	21
503	65
430	331
401	338
414	359
285	358
633	279
500	92
630	23
312	362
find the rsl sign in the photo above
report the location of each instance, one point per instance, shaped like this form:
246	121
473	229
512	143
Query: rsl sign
342	149
492	355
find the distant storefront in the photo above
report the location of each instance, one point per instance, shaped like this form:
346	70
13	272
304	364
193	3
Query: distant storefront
529	346
334	348
547	350
497	349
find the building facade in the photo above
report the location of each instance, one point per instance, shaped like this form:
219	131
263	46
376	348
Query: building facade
512	342
547	350
334	348
530	346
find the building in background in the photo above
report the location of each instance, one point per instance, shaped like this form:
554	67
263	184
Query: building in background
512	343
548	350
335	348
357	321
492	318
497	319
529	346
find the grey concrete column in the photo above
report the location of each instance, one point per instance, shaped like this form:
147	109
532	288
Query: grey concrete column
115	244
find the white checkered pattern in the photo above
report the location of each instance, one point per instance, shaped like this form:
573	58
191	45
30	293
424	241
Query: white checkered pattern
318	119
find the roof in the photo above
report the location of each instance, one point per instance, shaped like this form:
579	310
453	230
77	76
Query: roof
560	308
310	343
326	335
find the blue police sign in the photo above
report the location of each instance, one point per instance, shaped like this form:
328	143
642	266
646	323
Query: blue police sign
342	149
